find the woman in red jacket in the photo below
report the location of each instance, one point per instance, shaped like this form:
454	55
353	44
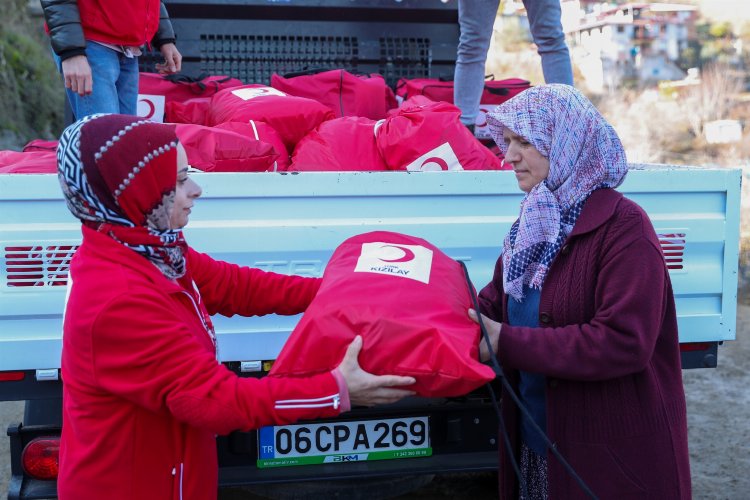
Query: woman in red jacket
143	394
581	313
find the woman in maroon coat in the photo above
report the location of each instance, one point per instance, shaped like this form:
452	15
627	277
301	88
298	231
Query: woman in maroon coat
581	314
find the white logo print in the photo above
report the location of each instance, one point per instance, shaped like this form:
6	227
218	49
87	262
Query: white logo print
441	158
151	107
405	261
253	92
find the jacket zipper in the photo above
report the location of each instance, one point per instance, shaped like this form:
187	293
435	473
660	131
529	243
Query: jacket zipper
334	400
174	473
209	330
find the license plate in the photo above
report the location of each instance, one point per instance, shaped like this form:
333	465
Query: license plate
332	442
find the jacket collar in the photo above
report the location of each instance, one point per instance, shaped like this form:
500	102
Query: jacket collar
108	249
597	210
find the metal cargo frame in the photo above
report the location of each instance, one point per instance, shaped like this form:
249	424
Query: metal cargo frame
252	39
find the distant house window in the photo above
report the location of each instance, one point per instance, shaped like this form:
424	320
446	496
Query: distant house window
663	28
621	29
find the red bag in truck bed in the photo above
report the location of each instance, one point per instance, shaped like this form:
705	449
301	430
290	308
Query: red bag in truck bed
341	144
292	117
156	91
30	162
408	301
495	92
428	135
346	94
213	149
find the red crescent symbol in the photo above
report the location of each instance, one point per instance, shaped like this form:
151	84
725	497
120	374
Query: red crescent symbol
152	108
437	160
408	254
483	113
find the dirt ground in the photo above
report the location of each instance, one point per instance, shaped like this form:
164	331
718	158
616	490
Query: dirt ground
718	416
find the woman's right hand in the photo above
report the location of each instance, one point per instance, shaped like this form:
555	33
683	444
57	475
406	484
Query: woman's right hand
366	389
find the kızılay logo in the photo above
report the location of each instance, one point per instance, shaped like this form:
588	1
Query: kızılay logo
441	158
395	259
151	107
253	92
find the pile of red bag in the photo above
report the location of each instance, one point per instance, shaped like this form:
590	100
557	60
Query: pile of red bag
315	120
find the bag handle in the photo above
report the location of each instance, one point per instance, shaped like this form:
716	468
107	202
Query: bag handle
306	72
196	81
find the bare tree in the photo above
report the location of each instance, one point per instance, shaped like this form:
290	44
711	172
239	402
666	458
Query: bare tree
712	98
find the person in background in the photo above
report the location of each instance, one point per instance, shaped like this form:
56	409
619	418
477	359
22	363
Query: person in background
476	19
581	313
96	44
143	394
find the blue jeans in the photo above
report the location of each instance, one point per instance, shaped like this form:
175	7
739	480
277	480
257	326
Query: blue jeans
476	19
115	83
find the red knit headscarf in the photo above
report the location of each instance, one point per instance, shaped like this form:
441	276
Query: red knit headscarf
119	174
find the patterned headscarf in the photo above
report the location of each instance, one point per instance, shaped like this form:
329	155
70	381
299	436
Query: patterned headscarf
119	174
584	153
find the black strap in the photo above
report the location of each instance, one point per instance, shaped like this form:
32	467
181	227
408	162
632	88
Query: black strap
306	71
524	411
196	82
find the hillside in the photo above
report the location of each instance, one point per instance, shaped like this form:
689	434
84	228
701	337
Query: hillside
31	97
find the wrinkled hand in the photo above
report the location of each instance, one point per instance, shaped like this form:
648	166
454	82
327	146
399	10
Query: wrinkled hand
172	59
77	75
366	389
493	330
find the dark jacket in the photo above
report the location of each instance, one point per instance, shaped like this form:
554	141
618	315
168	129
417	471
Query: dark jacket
119	22
607	343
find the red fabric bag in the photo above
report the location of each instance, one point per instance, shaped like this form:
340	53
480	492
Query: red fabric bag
426	135
346	94
262	132
495	93
40	145
31	162
341	144
408	300
193	111
292	117
156	91
216	150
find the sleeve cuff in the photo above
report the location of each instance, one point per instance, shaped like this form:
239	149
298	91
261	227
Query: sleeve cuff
344	403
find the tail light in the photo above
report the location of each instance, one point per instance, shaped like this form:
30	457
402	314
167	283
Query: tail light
695	346
41	458
11	376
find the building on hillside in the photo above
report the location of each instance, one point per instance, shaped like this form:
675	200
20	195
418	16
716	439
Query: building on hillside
638	42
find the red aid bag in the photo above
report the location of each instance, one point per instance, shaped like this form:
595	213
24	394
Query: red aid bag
346	94
156	91
261	131
31	162
423	135
292	117
215	150
192	111
495	93
408	300
341	144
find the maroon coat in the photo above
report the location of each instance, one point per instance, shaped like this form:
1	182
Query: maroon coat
607	343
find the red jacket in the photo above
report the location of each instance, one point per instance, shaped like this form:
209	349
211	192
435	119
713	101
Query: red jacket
607	344
143	394
120	22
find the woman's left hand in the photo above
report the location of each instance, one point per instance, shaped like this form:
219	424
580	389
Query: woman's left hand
493	330
366	389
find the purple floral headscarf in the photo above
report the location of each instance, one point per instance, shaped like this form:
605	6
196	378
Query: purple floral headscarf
585	154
